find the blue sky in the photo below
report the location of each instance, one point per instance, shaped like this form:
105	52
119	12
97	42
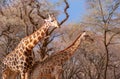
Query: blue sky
76	11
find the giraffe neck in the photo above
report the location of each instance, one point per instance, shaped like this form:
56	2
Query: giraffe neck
34	38
61	57
72	48
69	51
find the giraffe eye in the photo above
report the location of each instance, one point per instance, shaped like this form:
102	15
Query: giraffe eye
86	35
52	20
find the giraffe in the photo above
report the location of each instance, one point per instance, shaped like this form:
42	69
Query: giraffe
51	67
21	59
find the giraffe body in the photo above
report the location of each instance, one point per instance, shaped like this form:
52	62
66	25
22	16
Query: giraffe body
52	66
21	58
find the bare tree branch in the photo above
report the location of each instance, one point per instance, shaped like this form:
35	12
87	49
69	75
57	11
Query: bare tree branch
38	11
6	31
65	19
110	39
66	13
101	11
113	10
106	24
54	37
48	40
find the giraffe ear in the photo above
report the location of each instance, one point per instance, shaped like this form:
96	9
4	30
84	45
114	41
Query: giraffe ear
83	34
49	17
45	20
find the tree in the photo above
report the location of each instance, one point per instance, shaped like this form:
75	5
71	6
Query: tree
20	18
102	15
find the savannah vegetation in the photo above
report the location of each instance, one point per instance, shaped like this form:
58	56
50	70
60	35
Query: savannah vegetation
99	60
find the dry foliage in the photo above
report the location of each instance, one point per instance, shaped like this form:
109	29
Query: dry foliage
99	60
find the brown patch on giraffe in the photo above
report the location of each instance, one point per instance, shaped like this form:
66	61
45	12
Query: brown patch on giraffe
17	51
26	42
34	35
11	55
26	53
24	71
14	63
30	39
21	50
10	58
21	62
35	41
29	65
14	55
42	33
30	46
28	50
20	54
38	33
17	67
21	58
30	58
25	64
39	37
13	67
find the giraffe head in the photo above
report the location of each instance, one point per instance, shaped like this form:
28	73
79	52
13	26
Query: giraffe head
86	36
52	21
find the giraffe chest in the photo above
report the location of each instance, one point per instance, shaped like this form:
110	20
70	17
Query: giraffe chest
19	61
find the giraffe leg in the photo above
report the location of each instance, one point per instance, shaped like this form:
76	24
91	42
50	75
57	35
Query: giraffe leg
22	75
5	73
56	76
58	70
13	75
26	75
9	74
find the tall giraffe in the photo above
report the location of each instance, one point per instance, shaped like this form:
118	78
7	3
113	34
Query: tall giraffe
21	59
52	66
